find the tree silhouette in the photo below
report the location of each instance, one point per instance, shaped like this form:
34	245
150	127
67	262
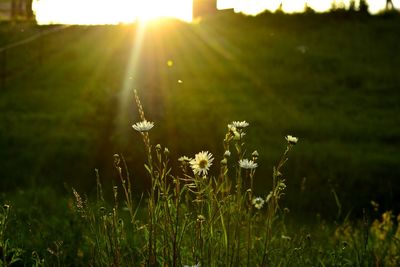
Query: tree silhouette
28	10
389	5
279	10
14	9
308	9
352	6
363	7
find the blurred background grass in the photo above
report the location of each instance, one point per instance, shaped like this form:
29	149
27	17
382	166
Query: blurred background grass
331	80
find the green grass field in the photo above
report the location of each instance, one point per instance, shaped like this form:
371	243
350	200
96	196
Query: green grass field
67	106
332	81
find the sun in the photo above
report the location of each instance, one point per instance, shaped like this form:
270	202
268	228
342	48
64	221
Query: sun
109	11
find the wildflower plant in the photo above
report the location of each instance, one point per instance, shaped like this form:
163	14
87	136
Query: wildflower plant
9	256
194	217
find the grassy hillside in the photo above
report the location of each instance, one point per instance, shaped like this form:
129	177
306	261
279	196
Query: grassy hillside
331	81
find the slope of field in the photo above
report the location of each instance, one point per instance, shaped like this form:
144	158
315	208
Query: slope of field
331	81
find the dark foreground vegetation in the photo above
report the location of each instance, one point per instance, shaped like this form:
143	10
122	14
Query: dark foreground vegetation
331	80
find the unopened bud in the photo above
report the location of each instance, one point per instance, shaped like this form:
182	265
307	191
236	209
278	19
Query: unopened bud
227	153
237	135
116	159
166	151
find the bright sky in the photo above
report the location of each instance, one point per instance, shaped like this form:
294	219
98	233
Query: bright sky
125	11
109	11
256	6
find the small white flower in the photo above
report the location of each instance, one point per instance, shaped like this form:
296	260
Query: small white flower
201	218
291	139
239	124
184	159
201	163
258	202
247	164
143	126
227	153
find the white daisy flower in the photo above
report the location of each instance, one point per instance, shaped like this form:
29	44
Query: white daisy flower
240	124
201	163
247	164
291	139
143	126
258	202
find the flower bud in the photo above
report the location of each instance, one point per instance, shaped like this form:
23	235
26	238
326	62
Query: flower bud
224	162
166	152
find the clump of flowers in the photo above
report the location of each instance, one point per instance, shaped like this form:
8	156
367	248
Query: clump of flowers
200	207
143	126
201	163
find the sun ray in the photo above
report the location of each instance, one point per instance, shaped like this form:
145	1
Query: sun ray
131	70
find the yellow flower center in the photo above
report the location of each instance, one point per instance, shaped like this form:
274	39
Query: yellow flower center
203	163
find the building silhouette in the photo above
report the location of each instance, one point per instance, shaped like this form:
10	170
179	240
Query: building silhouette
21	9
204	7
